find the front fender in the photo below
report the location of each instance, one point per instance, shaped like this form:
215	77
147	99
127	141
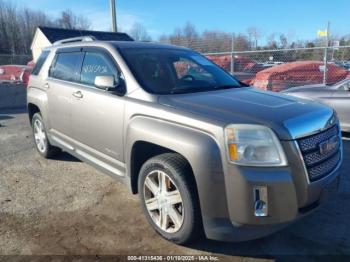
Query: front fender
199	148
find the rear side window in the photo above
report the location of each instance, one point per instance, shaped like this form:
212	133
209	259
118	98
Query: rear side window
97	64
39	64
67	66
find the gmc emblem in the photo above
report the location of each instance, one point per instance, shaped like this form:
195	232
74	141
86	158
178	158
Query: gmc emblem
329	145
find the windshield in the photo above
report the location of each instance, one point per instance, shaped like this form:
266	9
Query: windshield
173	71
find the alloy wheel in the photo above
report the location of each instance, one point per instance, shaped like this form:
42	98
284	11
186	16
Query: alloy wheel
163	201
39	135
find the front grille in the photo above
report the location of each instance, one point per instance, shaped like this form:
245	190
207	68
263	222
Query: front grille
317	162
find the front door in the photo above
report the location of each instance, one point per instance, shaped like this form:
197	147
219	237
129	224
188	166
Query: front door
97	115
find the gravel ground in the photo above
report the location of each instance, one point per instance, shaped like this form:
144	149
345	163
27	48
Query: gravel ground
66	207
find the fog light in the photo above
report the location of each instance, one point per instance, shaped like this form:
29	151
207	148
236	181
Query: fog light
260	201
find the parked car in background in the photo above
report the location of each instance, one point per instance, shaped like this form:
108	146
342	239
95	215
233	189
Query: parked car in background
343	64
31	64
241	63
336	96
15	73
244	68
24	77
271	64
300	73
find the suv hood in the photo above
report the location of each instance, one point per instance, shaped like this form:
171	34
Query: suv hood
289	117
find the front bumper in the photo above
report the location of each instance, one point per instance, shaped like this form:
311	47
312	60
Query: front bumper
224	229
290	197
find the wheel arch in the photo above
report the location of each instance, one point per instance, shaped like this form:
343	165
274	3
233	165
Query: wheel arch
32	110
141	152
200	150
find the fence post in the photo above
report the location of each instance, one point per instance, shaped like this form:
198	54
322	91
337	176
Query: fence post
325	59
232	53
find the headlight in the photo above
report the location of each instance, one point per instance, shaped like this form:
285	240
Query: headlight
254	145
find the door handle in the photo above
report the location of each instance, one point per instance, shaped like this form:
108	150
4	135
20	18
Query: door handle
78	94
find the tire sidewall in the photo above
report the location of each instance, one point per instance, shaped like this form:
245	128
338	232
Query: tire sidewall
186	228
38	116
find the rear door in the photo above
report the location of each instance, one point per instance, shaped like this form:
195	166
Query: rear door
63	76
97	115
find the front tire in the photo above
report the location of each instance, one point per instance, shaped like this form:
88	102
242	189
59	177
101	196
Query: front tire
41	141
169	199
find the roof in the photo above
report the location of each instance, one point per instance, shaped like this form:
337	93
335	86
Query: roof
57	34
137	44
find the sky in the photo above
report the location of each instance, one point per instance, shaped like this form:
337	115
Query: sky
299	20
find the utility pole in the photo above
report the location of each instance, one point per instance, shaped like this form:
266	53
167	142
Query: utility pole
326	55
114	16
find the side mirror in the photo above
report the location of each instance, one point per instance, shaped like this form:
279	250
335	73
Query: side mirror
104	82
110	84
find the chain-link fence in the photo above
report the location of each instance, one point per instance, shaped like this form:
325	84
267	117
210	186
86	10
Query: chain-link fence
276	69
280	69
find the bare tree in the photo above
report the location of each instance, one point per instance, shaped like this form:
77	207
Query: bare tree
18	25
254	35
139	33
176	37
185	36
190	34
241	42
29	21
68	20
215	41
283	41
271	41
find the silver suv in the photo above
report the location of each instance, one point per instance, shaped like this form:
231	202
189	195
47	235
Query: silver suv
204	152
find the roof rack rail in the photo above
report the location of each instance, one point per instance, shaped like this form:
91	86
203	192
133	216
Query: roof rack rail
87	38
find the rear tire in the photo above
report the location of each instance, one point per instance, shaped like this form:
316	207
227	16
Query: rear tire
41	141
173	210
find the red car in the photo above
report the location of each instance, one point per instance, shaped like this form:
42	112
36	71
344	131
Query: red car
300	73
15	74
241	63
244	67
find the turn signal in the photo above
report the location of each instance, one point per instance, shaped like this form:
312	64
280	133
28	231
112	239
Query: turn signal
233	152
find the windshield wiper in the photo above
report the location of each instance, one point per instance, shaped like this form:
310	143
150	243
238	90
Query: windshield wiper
201	89
227	87
188	90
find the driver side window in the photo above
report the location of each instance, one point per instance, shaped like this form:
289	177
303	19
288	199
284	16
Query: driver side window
97	64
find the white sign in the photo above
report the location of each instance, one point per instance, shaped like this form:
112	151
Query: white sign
321	68
335	44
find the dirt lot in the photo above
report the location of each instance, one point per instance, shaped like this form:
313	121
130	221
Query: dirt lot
65	207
